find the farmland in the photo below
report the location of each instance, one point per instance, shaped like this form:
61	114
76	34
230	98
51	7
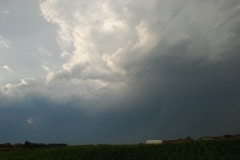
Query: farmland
195	150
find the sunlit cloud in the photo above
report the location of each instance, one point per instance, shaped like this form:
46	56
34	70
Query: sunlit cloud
7	68
18	88
107	39
91	39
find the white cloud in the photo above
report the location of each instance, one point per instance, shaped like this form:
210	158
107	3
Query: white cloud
7	68
32	120
98	37
44	52
4	42
45	55
45	67
217	24
29	120
3	12
147	40
18	88
107	41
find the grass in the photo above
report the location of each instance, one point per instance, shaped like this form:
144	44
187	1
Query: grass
196	150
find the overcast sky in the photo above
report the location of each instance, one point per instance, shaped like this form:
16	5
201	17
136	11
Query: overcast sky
118	71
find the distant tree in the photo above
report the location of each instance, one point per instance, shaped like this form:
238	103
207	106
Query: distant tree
27	143
188	138
227	136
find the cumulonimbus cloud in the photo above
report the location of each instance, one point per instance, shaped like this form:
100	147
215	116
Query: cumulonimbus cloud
132	69
108	41
98	37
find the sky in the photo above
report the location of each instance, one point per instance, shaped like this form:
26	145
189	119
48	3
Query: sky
118	71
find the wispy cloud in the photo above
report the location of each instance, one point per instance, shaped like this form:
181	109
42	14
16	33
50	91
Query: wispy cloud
44	52
3	10
217	24
18	88
4	42
31	120
7	68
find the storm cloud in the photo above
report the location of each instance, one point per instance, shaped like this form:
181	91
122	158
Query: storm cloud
126	71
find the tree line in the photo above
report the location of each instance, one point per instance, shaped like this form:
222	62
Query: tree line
28	144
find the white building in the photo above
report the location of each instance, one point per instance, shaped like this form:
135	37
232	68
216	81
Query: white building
154	141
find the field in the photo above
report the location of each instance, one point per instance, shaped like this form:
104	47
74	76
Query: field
195	150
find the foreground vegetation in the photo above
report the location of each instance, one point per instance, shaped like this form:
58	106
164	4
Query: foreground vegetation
195	150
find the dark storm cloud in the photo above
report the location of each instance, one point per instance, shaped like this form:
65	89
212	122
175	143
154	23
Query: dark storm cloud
180	102
198	98
70	122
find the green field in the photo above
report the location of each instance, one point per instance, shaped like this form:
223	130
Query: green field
196	150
